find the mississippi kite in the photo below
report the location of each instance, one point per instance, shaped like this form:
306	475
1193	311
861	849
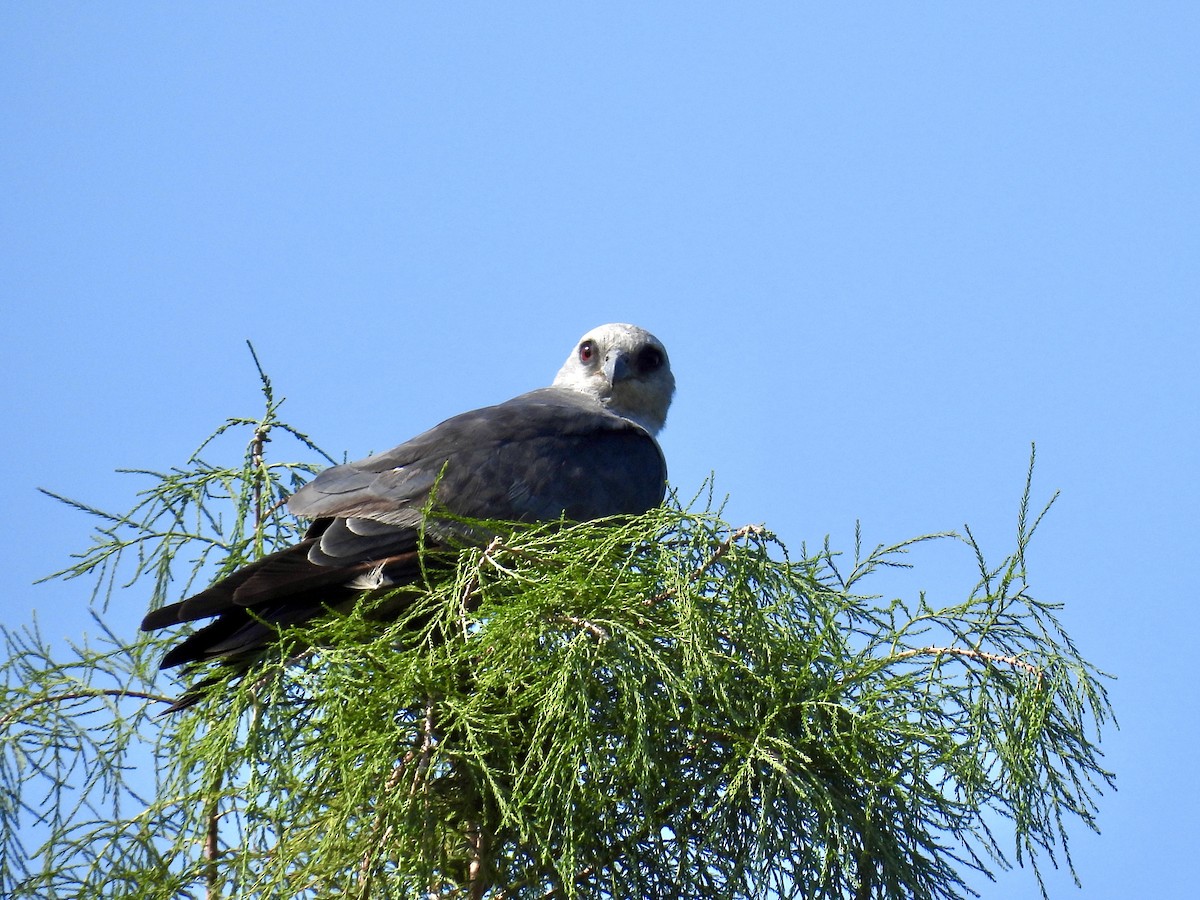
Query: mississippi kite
582	448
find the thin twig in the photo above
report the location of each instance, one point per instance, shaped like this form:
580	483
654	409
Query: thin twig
967	652
595	629
489	556
722	548
472	584
80	695
256	462
428	740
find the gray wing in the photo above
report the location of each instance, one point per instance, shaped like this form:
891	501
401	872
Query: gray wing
550	453
544	454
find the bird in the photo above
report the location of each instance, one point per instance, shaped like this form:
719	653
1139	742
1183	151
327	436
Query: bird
583	448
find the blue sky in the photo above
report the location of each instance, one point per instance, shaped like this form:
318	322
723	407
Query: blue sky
887	245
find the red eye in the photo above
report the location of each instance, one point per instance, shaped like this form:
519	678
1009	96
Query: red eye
586	351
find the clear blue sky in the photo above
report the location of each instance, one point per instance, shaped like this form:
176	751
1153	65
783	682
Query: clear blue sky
887	245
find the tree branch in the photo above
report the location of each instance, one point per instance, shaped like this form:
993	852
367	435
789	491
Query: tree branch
969	653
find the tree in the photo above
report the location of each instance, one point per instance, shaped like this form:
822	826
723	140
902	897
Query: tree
663	706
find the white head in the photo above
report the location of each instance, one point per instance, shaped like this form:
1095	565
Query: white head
626	369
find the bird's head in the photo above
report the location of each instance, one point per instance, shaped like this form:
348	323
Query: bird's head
626	369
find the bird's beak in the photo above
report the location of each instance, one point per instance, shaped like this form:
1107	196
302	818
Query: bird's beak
616	367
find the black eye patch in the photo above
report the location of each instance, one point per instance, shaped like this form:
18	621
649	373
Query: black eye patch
650	359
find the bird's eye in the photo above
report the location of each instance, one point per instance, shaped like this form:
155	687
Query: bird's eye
650	360
586	351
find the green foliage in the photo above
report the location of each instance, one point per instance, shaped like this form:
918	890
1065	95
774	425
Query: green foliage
660	706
